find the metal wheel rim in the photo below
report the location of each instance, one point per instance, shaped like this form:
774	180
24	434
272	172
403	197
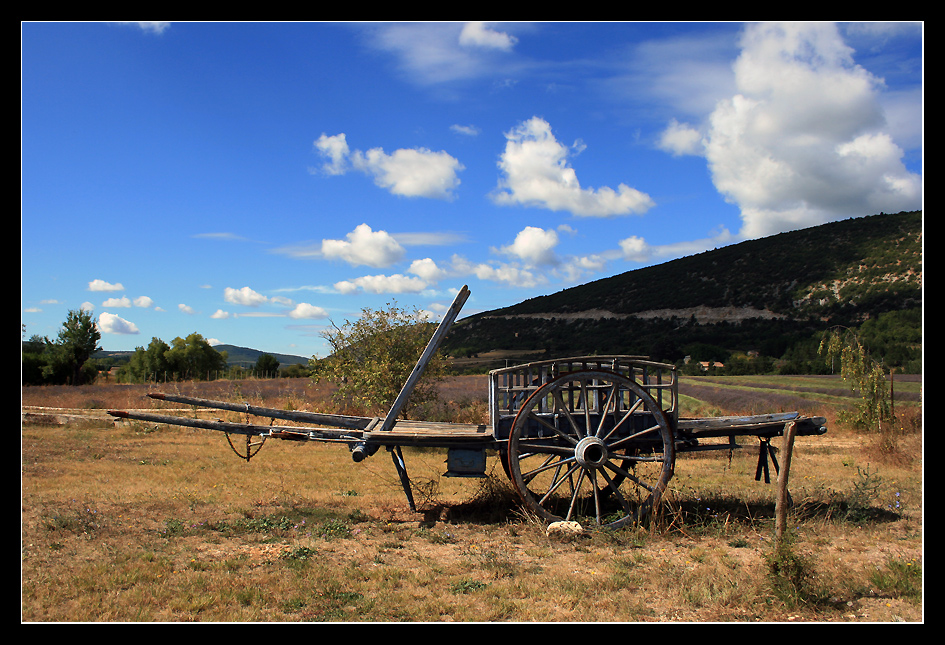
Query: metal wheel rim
590	475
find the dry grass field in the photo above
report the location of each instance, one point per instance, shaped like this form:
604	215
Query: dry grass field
135	522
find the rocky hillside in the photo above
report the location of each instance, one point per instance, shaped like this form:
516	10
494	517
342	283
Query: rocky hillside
760	296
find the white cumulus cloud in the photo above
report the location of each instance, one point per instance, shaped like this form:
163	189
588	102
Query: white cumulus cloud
534	245
679	139
503	273
804	140
408	172
305	310
244	296
151	26
101	285
411	172
335	149
124	301
112	324
635	249
427	270
364	246
536	173
396	283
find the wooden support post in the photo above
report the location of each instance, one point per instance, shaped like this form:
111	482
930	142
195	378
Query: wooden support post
783	497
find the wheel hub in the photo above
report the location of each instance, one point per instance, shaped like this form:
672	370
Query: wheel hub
591	453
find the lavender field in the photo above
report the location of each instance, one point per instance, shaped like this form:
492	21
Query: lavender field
815	395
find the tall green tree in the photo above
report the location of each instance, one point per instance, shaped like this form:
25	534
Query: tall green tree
147	363
193	357
77	342
373	356
266	363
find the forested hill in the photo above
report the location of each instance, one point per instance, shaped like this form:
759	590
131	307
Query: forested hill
247	357
762	296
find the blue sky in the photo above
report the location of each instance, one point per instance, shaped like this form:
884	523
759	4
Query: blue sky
253	182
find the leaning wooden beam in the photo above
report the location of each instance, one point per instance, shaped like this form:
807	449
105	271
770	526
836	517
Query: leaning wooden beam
425	357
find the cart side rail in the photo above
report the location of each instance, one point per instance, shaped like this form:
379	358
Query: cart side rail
510	387
758	425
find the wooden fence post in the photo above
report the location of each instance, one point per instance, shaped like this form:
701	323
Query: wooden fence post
782	500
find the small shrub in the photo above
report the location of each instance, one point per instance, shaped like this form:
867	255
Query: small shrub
866	488
792	576
173	527
899	578
465	586
334	528
300	553
300	556
83	522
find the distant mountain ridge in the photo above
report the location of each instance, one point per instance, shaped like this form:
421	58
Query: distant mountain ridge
762	293
247	357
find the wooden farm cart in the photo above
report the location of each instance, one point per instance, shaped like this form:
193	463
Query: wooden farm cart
591	438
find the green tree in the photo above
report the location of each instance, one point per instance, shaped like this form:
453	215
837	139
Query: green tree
35	345
373	356
33	358
265	364
193	357
155	357
70	353
296	370
147	364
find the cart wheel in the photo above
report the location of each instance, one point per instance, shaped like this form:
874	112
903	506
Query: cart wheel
606	463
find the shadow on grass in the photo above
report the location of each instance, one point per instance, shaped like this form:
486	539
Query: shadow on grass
497	502
715	512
